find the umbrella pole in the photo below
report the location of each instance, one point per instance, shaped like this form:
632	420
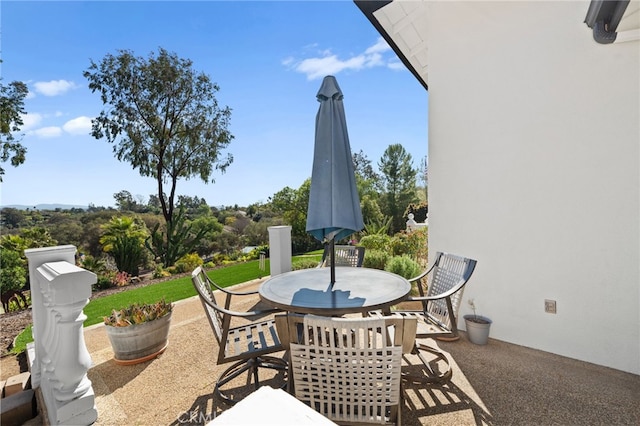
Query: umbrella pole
332	250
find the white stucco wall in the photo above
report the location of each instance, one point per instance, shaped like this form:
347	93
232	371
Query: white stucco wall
534	160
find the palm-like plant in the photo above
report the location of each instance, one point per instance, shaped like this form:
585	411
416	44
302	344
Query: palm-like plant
123	237
378	227
92	264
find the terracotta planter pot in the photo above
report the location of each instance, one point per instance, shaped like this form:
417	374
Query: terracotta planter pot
139	342
478	328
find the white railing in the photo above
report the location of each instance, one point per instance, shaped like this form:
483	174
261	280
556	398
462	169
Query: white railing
412	225
59	292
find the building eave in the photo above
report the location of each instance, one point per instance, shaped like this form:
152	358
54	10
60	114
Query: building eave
368	8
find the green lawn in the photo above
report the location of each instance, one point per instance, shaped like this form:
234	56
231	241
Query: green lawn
171	291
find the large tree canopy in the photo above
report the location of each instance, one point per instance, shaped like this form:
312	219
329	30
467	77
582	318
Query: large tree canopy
11	110
163	118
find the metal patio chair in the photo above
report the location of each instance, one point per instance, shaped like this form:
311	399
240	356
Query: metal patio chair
440	290
242	338
348	369
345	256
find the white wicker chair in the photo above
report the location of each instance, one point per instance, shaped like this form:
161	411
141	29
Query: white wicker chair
348	369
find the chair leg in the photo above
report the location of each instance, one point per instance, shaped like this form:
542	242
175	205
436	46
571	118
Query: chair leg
251	367
451	338
430	375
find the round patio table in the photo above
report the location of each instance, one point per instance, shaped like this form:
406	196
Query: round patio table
309	291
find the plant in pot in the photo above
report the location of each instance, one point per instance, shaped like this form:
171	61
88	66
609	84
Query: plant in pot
477	326
139	332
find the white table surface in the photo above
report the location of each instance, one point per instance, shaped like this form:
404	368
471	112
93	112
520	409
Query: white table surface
268	406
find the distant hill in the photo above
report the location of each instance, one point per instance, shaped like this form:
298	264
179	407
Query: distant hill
47	207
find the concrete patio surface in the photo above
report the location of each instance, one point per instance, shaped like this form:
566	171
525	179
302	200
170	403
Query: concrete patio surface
496	384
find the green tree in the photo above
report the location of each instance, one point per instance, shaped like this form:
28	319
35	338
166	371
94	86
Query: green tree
372	215
11	110
363	168
212	228
257	233
68	232
12	256
176	239
163	118
92	231
154	203
399	181
368	182
124	201
227	243
12	218
36	237
239	223
13	274
191	204
123	237
291	205
423	176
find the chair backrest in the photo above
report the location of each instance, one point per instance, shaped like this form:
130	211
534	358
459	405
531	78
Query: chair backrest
255	335
345	256
348	369
449	274
203	286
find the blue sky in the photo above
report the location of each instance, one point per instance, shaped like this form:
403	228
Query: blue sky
268	59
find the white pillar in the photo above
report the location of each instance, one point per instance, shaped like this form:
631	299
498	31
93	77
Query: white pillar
36	258
411	223
59	292
279	249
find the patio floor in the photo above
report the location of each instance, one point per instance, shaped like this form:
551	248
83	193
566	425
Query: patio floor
496	384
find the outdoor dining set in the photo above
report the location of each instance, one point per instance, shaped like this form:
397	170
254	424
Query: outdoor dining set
329	334
338	347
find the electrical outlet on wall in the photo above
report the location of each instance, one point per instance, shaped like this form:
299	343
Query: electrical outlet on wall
550	306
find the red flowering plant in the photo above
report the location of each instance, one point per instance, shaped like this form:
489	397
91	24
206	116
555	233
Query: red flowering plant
121	279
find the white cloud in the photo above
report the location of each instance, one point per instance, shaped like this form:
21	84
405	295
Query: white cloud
380	47
47	132
54	87
329	64
319	67
78	126
375	60
288	61
30	121
396	65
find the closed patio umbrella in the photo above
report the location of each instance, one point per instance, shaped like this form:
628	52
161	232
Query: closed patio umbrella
334	205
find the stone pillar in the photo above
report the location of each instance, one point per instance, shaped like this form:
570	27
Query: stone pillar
279	249
60	290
